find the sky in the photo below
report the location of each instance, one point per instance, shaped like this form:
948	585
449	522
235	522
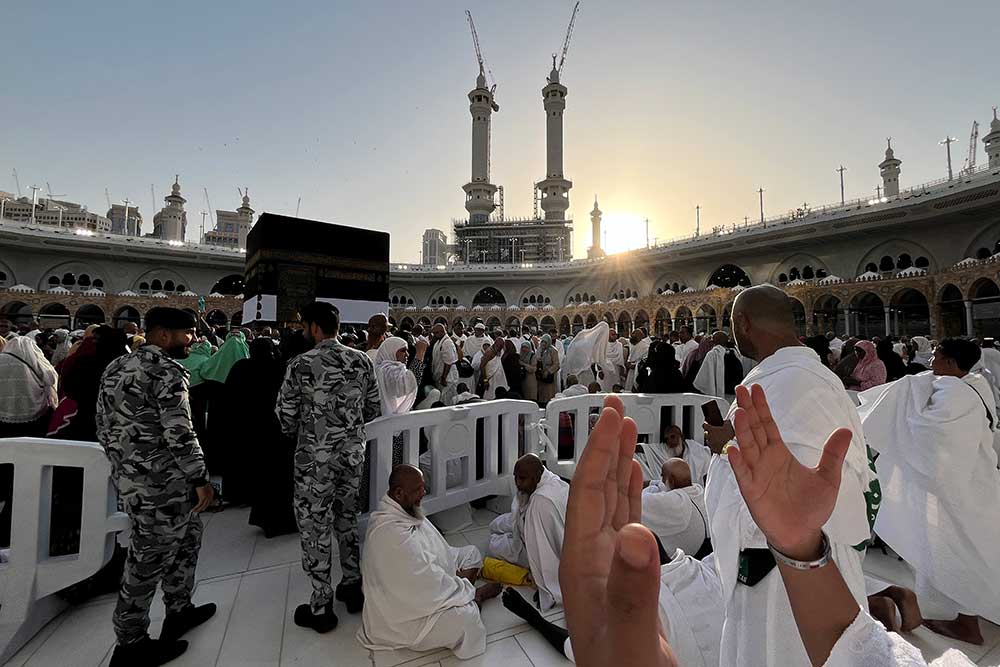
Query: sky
360	108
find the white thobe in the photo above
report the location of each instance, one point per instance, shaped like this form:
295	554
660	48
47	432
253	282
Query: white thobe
808	403
616	354
635	355
444	353
866	643
493	375
655	454
539	522
940	487
676	516
413	596
711	377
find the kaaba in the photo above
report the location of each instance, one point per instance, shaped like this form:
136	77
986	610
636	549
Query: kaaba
292	262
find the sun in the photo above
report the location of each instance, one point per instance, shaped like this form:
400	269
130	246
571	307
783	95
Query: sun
622	231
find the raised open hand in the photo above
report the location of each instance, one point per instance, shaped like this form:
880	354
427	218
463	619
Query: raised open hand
610	568
789	501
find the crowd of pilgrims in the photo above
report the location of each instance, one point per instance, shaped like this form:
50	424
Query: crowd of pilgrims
49	382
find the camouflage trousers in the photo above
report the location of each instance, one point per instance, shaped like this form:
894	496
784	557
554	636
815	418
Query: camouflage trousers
326	499
163	550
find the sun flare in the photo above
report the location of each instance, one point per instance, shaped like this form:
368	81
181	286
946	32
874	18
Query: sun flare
622	231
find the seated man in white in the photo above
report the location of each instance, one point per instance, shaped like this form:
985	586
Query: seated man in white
419	590
673	444
940	486
691	612
531	534
674	509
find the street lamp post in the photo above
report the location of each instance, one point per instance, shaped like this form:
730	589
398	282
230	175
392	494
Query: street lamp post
760	191
842	170
512	256
947	141
468	242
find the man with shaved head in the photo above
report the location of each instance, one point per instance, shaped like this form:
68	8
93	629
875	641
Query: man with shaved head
674	509
420	591
808	403
531	534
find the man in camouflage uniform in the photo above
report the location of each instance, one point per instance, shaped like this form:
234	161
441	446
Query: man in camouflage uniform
328	394
144	424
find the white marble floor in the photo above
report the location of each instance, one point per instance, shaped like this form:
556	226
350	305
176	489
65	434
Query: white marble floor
257	584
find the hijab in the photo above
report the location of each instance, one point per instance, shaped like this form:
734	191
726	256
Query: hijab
200	353
870	371
924	351
397	385
63	344
27	382
527	352
218	366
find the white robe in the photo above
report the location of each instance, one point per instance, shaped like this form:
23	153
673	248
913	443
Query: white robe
616	354
474	344
493	375
808	403
711	377
636	354
444	353
866	643
682	350
655	454
677	516
413	596
940	486
537	525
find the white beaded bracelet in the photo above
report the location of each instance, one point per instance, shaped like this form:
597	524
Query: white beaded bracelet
804	564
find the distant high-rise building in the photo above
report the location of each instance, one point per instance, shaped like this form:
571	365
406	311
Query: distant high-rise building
435	247
130	226
232	227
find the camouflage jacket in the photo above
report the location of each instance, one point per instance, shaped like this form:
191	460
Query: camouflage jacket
328	394
144	424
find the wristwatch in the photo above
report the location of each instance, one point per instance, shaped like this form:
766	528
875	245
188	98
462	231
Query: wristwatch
805	564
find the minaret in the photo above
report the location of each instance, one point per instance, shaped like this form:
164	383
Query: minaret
246	214
992	141
555	188
595	232
479	191
170	224
889	168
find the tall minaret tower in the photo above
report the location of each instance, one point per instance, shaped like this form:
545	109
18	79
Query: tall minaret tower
555	188
992	141
479	191
889	168
246	215
170	224
595	232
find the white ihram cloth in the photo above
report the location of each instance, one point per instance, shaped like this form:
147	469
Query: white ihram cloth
808	403
676	516
636	354
682	350
444	353
866	643
940	485
994	382
474	344
655	454
991	360
589	347
536	524
711	377
493	375
573	390
615	354
27	382
397	386
413	596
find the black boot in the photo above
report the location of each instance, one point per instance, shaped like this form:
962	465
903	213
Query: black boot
321	623
147	652
179	622
352	596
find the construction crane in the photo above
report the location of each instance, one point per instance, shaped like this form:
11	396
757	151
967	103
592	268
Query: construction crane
49	189
211	215
17	182
479	57
569	34
970	161
107	198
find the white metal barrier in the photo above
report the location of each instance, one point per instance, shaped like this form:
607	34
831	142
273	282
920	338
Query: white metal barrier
31	577
491	434
647	410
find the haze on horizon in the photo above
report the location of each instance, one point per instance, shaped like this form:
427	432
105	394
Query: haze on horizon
360	109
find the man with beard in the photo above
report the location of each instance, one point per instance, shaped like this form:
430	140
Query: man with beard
328	395
144	424
531	534
420	591
443	357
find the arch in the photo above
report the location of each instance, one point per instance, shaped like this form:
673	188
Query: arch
982	253
230	285
157	286
441	297
424	321
577	324
827	315
54	315
591	320
904	261
169	286
706	319
6	275
641	320
513	321
985	297
910	314
402	295
534	294
67	272
547	324
88	314
440	319
217	318
624	323
662	323
406	324
609	318
564	325
683	317
492	323
985	238
892	249
530	322
797	263
887	263
16	311
489	296
126	314
163	274
867	312
799	314
236	319
729	275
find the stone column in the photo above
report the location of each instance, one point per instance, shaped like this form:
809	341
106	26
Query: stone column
888	320
937	326
968	318
809	322
847	321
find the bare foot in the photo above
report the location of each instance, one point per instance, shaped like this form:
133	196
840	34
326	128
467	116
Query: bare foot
484	593
964	628
883	610
909	608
